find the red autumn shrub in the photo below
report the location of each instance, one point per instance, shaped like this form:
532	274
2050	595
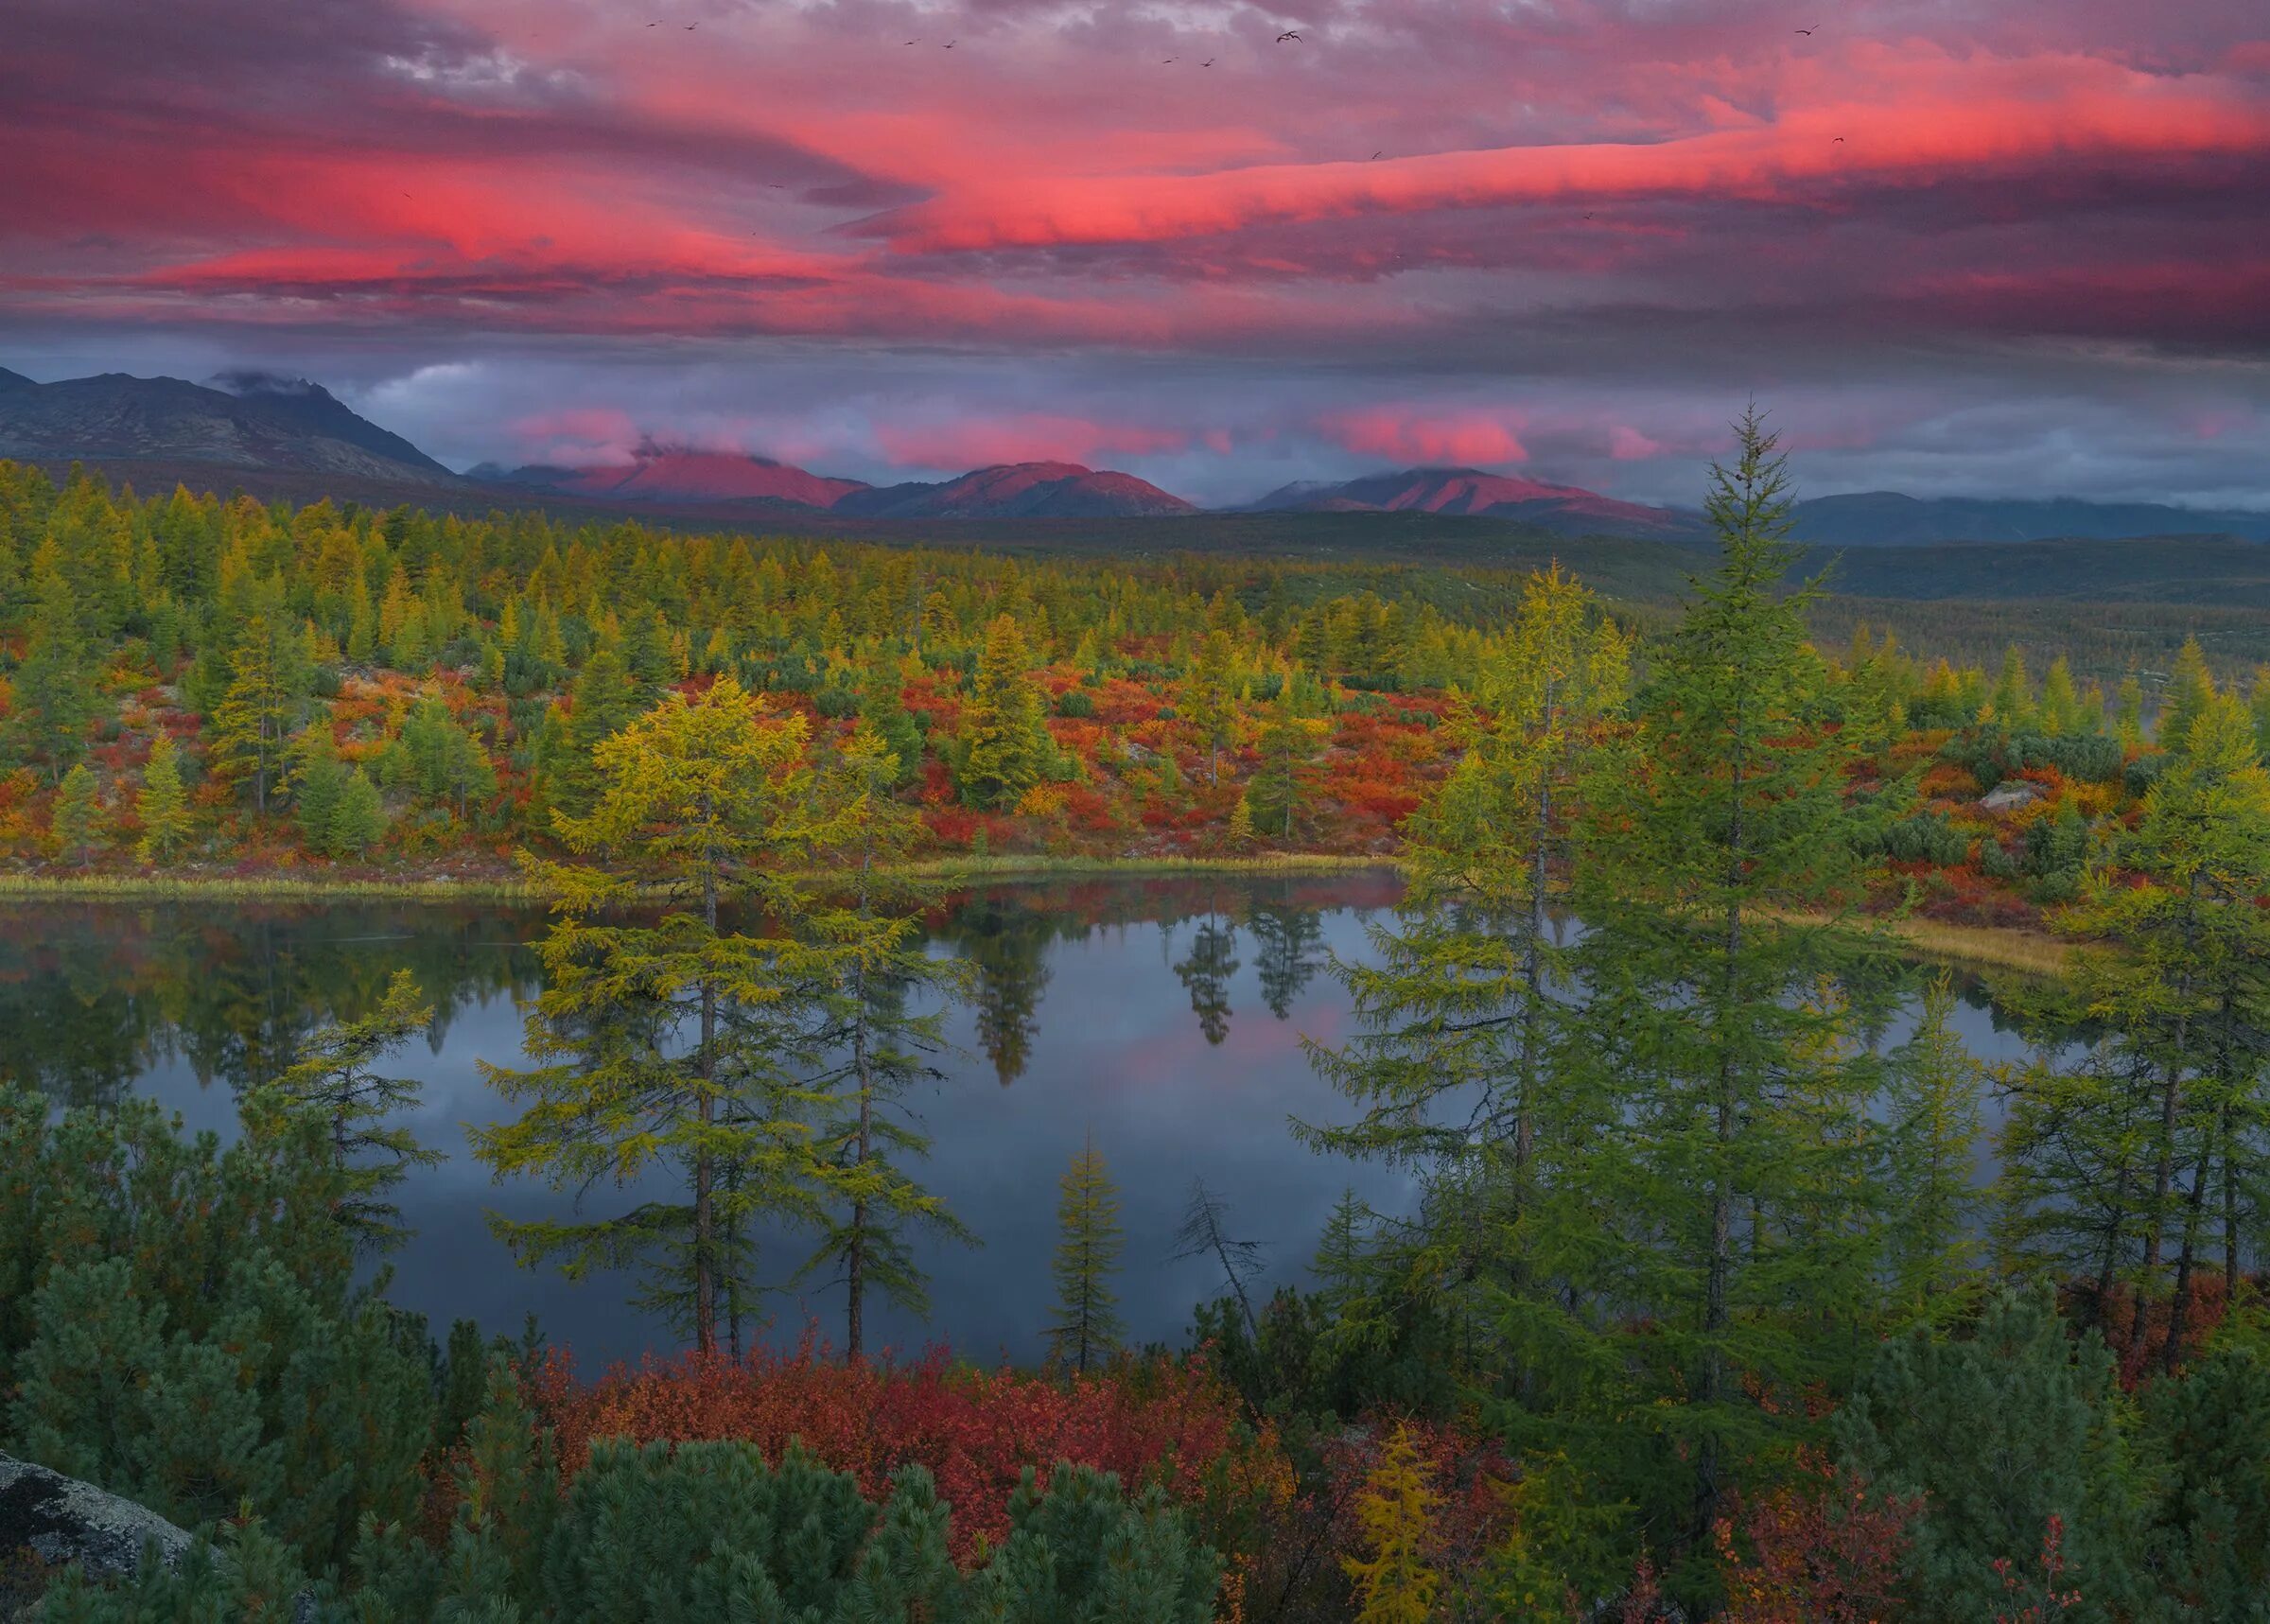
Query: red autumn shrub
2136	1330
1172	1424
1823	1548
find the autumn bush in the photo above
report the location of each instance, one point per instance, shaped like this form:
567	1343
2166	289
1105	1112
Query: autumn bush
1165	1422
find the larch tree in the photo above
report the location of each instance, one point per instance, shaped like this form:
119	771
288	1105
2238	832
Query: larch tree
1932	1088
359	821
1084	1328
54	688
1703	1239
1209	700
77	816
267	676
2181	989
1004	747
871	1044
605	701
1395	1584
337	1075
163	806
1278	785
1459	1003
672	1047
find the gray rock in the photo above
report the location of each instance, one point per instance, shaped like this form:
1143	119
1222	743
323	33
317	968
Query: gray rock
2010	796
63	1522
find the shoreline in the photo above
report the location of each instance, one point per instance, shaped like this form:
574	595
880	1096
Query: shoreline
2001	947
938	872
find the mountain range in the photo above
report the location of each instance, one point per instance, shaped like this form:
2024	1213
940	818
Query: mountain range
290	437
660	471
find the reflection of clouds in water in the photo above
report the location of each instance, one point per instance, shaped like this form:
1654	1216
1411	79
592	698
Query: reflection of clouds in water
1114	1049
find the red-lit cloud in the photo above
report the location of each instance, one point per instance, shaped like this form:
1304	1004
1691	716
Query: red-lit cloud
1399	240
1401	434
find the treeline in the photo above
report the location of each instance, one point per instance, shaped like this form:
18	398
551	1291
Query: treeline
187	683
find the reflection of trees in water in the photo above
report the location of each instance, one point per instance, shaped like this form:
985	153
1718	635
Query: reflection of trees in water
1206	973
93	997
1286	953
1008	948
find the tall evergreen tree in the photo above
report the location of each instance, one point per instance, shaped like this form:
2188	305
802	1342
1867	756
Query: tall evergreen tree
605	701
336	1076
1278	786
1004	746
77	817
882	707
1703	1237
1084	1328
359	821
673	1045
2191	690
1933	1087
54	696
1209	703
163	806
1464	991
2181	991
873	1047
267	676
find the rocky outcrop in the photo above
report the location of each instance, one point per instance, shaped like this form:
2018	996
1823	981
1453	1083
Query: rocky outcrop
48	1521
2010	796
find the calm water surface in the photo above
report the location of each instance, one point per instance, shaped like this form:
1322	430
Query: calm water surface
1162	1019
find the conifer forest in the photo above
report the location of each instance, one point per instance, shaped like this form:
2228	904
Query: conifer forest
1703	1272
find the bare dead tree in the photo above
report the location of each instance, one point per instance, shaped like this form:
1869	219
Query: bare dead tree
1205	1232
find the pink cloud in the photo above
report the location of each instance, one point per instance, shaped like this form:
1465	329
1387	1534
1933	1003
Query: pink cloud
1407	435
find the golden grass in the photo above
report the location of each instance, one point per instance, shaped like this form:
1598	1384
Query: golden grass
937	871
956	870
2036	953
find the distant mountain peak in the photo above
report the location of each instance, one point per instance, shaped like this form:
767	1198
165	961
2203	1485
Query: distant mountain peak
1019	490
257	423
1476	491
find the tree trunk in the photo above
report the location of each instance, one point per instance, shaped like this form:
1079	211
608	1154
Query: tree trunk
2179	1309
705	1214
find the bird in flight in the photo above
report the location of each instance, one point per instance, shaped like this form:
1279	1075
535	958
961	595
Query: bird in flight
691	26
1807	32
1375	157
948	46
1835	139
1288	34
1207	64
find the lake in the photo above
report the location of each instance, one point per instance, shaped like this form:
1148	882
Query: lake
1160	1017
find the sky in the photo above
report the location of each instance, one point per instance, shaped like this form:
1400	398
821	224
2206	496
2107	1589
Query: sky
1953	247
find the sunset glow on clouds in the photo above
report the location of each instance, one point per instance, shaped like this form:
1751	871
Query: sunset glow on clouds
1971	245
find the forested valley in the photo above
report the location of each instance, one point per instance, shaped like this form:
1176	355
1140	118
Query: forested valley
1703	1308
